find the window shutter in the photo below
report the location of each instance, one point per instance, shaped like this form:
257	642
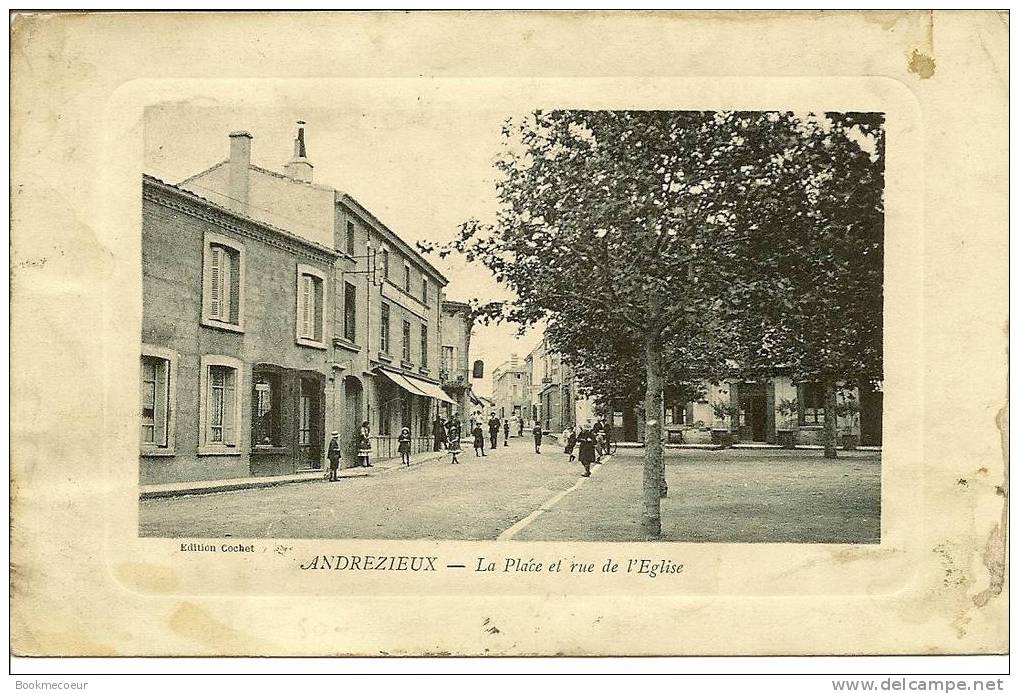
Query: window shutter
229	407
215	282
162	374
304	303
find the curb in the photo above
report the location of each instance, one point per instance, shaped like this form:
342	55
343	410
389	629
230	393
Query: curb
263	482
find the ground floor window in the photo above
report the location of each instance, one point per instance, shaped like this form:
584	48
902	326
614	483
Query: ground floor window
266	406
220	404
676	414
156	380
811	397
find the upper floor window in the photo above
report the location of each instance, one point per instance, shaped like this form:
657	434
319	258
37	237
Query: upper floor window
384	334
350	312
424	345
406	341
406	278
158	394
310	305
385	263
223	283
350	238
424	290
448	362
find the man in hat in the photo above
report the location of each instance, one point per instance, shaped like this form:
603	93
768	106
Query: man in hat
494	425
334	455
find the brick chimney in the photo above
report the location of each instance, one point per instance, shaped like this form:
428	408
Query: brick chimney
299	168
237	167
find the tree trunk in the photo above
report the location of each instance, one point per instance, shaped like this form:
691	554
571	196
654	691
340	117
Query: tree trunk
654	464
830	423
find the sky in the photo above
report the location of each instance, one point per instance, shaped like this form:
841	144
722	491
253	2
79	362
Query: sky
422	169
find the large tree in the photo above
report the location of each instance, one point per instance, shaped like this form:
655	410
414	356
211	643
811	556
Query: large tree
625	227
813	302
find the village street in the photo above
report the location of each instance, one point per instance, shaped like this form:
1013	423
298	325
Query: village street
741	495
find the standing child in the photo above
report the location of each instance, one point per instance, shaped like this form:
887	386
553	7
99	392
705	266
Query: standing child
334	455
453	441
570	437
537	437
404	440
505	432
479	440
364	446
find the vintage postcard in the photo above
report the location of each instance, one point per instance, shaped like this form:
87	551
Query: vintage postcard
509	333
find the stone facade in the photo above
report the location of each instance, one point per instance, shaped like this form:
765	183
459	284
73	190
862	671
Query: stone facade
510	392
200	377
387	376
454	358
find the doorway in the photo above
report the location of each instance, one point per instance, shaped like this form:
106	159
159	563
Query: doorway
753	405
353	399
309	422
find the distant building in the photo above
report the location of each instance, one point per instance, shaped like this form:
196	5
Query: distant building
509	390
454	361
235	342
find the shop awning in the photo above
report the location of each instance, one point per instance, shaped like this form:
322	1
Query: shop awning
431	390
417	386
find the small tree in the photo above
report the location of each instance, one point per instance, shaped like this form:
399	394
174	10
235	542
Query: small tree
789	409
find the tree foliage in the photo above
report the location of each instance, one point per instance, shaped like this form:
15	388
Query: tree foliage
661	246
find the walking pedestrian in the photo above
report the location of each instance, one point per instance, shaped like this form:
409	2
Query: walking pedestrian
479	440
334	455
537	437
453	445
439	433
599	436
404	440
520	426
364	445
570	437
494	425
505	432
586	441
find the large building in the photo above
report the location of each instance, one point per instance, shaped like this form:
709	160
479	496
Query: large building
379	301
759	411
235	330
772	410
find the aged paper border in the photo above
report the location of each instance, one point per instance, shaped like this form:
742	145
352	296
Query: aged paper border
84	584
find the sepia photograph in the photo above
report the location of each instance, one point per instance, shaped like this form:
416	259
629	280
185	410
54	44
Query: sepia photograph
621	325
363	336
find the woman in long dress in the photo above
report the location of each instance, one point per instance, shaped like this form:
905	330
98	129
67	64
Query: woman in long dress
364	446
453	441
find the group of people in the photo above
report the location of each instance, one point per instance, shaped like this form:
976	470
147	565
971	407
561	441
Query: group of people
588	443
364	449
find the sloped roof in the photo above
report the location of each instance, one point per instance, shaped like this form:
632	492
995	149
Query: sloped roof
194	197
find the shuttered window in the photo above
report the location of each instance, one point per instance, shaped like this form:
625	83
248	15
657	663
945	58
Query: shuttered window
384	335
406	341
310	305
155	374
424	345
223	283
